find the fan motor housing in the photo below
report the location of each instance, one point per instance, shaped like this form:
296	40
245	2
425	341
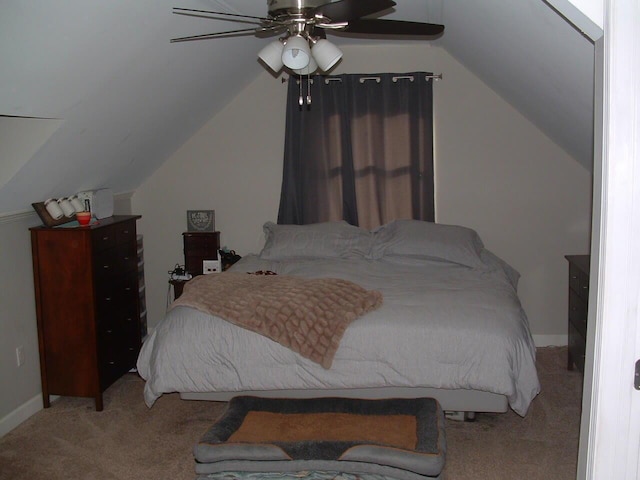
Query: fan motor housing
292	7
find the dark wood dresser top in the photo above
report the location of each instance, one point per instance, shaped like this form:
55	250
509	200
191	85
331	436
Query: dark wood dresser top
580	261
103	222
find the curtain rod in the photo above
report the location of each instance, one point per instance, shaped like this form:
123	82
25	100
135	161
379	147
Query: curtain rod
434	76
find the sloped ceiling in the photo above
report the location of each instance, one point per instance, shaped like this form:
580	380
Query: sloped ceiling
535	60
123	98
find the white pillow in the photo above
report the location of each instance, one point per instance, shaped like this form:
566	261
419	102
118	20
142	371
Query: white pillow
317	240
415	238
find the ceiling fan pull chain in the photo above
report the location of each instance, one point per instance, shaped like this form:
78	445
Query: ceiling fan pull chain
308	89
300	99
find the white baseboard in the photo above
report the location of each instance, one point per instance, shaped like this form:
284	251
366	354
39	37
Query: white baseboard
551	340
23	413
20	414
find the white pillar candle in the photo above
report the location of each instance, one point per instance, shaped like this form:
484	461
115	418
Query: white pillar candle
52	207
76	203
66	207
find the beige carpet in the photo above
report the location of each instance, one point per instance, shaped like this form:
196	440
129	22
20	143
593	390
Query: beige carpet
127	440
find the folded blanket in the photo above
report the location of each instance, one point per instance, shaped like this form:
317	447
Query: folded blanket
309	316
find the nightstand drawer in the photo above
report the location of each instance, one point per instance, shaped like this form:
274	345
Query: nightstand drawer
577	343
199	246
118	349
115	260
126	233
577	311
117	300
117	337
578	303
103	238
127	257
579	282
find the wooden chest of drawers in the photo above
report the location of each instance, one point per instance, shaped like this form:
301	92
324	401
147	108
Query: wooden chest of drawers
578	306
87	305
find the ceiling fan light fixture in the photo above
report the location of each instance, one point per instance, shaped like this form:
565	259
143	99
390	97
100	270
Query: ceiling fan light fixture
309	69
326	54
271	55
305	23
296	53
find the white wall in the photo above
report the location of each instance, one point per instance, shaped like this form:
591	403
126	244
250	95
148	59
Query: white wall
20	140
528	199
495	172
20	389
233	165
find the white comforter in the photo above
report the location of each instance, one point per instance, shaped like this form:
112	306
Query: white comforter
441	325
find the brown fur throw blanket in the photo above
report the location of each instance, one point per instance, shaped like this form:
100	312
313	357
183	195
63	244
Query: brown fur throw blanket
309	316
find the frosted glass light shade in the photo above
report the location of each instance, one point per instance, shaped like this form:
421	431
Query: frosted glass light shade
326	54
309	69
271	55
296	53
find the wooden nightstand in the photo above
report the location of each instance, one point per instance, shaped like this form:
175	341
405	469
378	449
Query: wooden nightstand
578	307
199	246
178	286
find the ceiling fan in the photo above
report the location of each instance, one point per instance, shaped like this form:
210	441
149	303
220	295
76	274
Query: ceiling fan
303	47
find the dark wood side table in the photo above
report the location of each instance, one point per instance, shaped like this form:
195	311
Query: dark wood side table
178	286
199	246
578	308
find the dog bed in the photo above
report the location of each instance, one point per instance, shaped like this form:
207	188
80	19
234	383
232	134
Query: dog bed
399	438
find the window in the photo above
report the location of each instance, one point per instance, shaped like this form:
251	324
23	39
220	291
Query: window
362	151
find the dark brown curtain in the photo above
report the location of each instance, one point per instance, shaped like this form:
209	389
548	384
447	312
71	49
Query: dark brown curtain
362	151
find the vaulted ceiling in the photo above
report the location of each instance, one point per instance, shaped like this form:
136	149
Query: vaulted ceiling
92	93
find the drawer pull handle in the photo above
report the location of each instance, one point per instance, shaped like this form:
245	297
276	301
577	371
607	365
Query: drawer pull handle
585	287
108	299
127	289
109	332
106	267
574	277
112	363
105	238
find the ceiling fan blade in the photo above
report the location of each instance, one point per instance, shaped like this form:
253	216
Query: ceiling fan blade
229	33
393	27
345	10
208	14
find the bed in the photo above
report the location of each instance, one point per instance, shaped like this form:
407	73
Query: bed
450	325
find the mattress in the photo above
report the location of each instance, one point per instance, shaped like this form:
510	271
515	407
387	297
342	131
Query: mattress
442	325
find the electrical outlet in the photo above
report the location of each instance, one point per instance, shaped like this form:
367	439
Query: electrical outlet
211	266
20	356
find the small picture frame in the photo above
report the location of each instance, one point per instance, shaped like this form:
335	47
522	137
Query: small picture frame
201	220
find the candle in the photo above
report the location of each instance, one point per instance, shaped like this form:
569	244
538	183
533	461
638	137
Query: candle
76	203
66	207
52	207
